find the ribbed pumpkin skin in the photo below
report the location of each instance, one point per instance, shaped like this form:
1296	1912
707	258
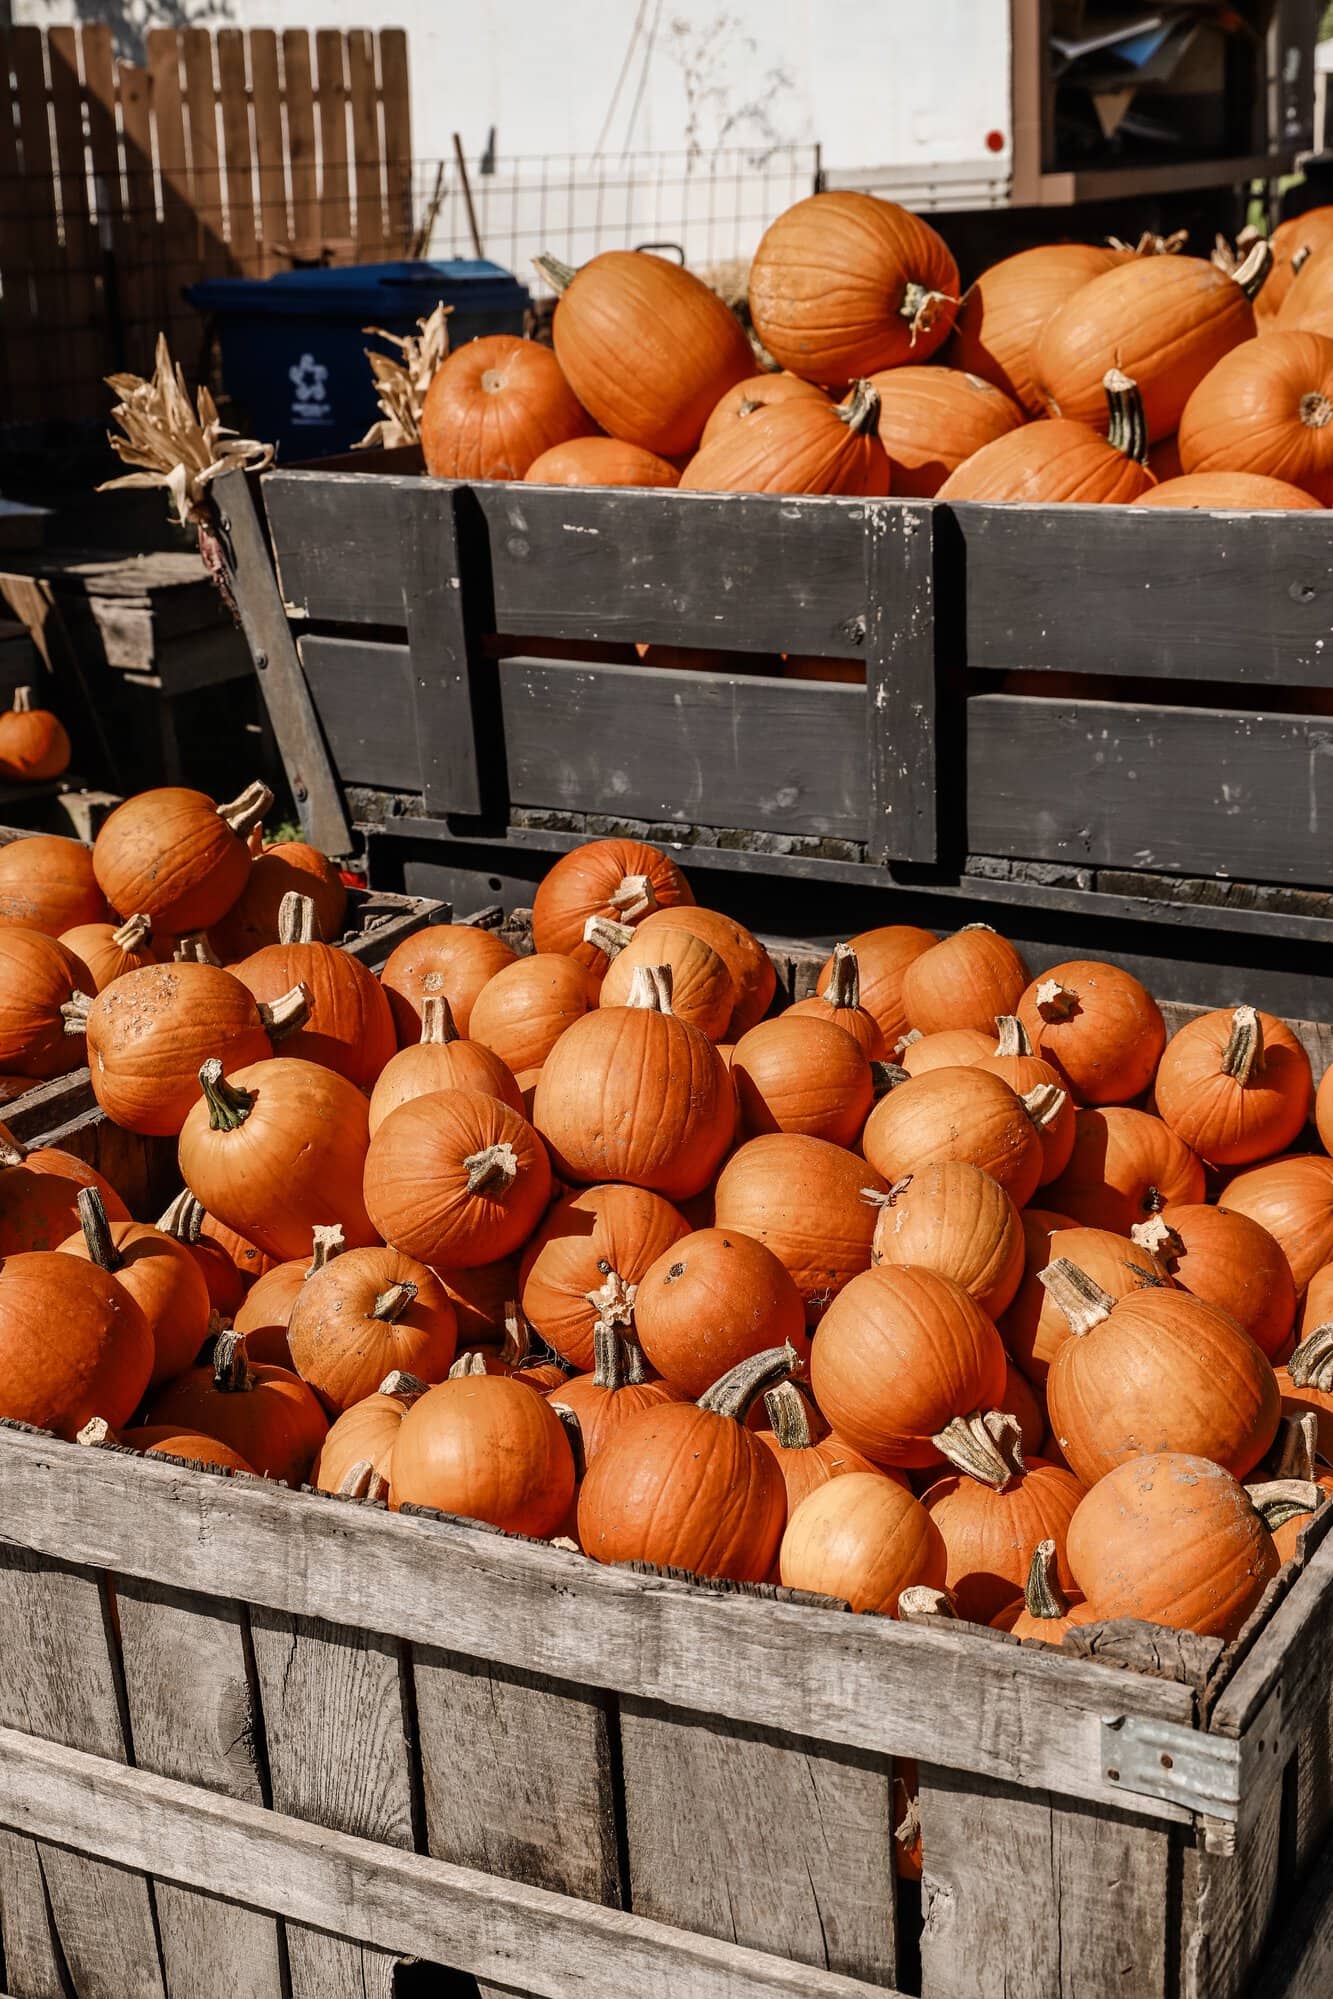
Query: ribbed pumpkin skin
1004	311
163	1440
265	1310
989	1536
450	961
965	981
493	406
863	1538
703	991
627	1228
1024	1073
1164	321
170	855
953	1218
1267	408
1231	1262
584	883
343	1352
828	285
37	976
802	1075
956	1114
1108	1048
47	883
1034	1328
350	1028
486	1448
416	1180
1293	1199
1224	1121
94	945
364	1434
276	1424
601	1411
710	1301
1061	461
802	1197
39	1200
791	447
523	1011
1173	1540
288	867
1312	231
600	461
441	1065
898	1355
1250	491
1125	1165
73	1344
805	1468
33	745
757	392
932	419
150	1032
1164	1372
1317	1305
1308	305
648	348
750	966
882	958
951	1048
167	1285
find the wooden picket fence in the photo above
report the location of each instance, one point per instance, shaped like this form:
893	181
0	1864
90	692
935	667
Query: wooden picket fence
232	153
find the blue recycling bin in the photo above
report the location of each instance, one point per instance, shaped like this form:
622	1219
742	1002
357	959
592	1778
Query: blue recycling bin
293	348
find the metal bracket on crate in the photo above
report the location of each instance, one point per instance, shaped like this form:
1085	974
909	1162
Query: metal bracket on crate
1223	1778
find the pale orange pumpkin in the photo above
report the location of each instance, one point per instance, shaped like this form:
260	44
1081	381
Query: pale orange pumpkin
1229	1261
703	991
623	880
953	1218
757	392
966	981
746	959
1125	1165
368	1313
1293	1199
441	1060
1097	1026
1004	310
587	1261
456	1178
797	446
839	1000
801	1074
803	1198
1063	459
47	883
964	1114
882	957
450	961
1250	492
599	461
932	419
493	406
522	1011
1033	1327
1267	407
1235	1084
863	1538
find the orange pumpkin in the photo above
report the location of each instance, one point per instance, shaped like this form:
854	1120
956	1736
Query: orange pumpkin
797	446
1308	305
38	981
1004	310
369	1313
522	1012
967	981
803	1198
756	392
600	461
33	744
157	1272
73	1344
1125	1165
109	950
1228	1261
440	1061
164	1440
183	1221
703	991
951	1048
1250	492
712	1300
587	1262
807	1452
266	1308
840	1001
347	1025
176	856
622	880
39	1190
1317	1305
1306	1386
265	1413
456	1178
1013	1061
964	1114
1099	1029
288	867
746	959
452	961
619	1386
485	1447
882	957
953	1218
1235	1084
1267	408
1293	1199
1064	459
932	419
356	1457
863	1538
493	406
991	1517
803	1075
1294	242
47	883
1045	1611
1033	1327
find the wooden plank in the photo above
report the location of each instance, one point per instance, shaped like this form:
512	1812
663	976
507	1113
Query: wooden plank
141	269
396	111
87	357
1292	1652
180	241
370	740
237	153
110	238
550	1945
59	1683
205	175
1187	789
22	357
193	1716
1026	1895
1213	596
1227	1903
901	717
50	359
367	148
1031	1717
31	1949
1300	1963
335	209
455	688
759	1837
299	101
275	227
1312	1816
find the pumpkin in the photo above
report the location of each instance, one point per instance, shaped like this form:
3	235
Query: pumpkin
288	867
148	1033
1229	1261
524	1009
1020	1400
712	1300
493	406
687	1486
1306	1385
1293	242
844	283
519	1355
903	1360
483	1446
618	1387
1100	1030
276	1148
157	1272
1034	1327
932	419
177	856
481	1299
1308	305
953	1218
1125	1165
1044	1611
73	1344
47	883
882	957
840	1001
1293	1199
803	1198
1013	1061
1064	459
631	1093
456	1178
623	880
452	961
1317	1305
587	1261
1235	1084
38	979
751	968
962	1114
967	981
164	1440
600	461
807	1452
265	1413
1250	492
109	950
703	991
798	446
1155	1370
647	347
863	1538
33	744
1164	320
991	1518
356	1457
266	1308
348	1025
1172	1539
1286	1507
183	1220
1267	408
757	392
1323	1109
369	1313
803	1075
440	1061
1004	310
39	1190
952	1048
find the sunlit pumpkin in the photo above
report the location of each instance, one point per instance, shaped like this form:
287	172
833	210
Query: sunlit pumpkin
493	406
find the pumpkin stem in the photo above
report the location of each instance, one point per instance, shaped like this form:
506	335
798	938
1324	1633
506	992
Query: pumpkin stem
906	1041
97	1231
1243	1055
74	1013
493	1170
920	1601
634	899
987	1446
438	1026
1160	1240
613	1301
362	1481
467	1364
733	1394
1296	1447
574	1431
516	1347
281	1017
605	934
1012	1036
228	1105
134	933
874	1199
1311	1366
1042	1594
391	1304
1044	1104
1081	1300
860	412
844	979
1315	409
1300	258
297	921
788	1417
409	1387
1279	1500
608	1367
13	1151
747	406
1056	1002
1128	428
1252	274
95	1431
232	1374
651	988
183	1218
558	275
247	810
195	949
24	700
886	1076
920	308
326	1243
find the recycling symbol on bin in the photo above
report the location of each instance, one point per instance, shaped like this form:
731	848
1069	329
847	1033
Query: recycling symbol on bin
308	378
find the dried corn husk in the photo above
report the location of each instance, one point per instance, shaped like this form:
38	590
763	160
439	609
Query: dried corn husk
178	447
401	385
1150	245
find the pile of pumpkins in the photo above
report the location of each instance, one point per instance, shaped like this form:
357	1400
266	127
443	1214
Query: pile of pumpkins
945	1279
1069	372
